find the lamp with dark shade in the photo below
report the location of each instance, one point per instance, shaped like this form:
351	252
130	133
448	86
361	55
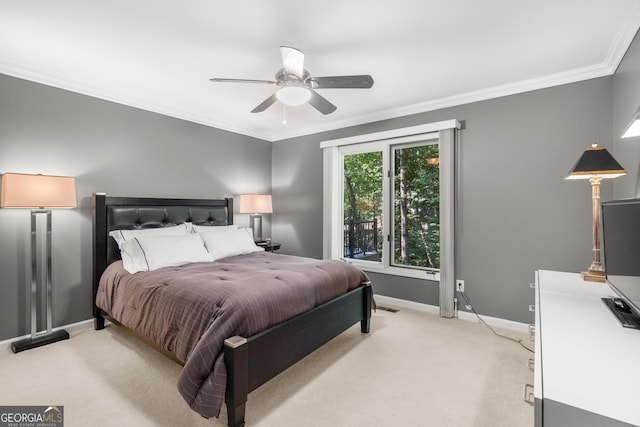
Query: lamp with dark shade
40	193
596	164
256	205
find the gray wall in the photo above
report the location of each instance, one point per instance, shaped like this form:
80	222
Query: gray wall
516	213
109	148
626	100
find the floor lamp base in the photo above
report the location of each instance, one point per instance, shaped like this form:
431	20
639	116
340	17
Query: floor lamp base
594	276
29	343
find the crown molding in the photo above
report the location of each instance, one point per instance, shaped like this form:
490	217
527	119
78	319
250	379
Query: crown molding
624	38
618	49
572	76
119	98
558	79
616	53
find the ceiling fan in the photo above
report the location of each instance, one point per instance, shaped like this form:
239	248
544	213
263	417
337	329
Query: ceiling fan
296	86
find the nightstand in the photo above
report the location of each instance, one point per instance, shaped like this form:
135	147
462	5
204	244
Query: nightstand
269	246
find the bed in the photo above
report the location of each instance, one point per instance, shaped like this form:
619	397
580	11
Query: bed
246	360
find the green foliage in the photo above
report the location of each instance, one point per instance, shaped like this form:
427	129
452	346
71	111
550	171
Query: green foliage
363	185
416	193
417	186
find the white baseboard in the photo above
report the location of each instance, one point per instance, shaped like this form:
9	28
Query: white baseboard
462	315
71	328
397	302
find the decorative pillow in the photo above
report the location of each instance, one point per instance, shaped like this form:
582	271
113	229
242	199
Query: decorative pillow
223	244
207	228
154	252
122	236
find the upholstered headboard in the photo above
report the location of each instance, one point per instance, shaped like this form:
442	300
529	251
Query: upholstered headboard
127	213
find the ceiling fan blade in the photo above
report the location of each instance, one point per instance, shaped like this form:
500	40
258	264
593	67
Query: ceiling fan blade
292	61
219	80
321	104
265	104
342	82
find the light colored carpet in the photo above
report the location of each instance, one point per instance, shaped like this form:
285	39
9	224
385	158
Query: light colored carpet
413	369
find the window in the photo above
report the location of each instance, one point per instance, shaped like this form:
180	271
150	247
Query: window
384	197
362	206
416	205
415	199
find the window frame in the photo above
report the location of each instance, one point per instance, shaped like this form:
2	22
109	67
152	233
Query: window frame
392	219
333	180
338	219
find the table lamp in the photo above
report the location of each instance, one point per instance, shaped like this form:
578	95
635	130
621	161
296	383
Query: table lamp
596	164
256	205
41	193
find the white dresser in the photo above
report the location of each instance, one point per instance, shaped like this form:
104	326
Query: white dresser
587	366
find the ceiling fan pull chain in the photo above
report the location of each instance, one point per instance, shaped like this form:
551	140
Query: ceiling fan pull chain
284	114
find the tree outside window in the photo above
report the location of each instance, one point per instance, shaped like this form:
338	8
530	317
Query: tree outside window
362	193
415	199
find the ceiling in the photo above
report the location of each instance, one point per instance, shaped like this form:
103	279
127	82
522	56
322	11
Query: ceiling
422	54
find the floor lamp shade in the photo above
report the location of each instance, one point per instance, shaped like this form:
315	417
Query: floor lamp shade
41	193
596	164
256	205
37	191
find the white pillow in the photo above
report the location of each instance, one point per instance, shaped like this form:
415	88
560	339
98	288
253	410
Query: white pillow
207	228
133	257
223	244
154	252
122	236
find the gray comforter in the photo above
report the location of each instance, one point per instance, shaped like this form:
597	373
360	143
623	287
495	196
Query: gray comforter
190	310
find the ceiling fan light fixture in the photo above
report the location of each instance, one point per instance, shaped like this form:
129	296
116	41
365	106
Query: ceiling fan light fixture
296	86
293	96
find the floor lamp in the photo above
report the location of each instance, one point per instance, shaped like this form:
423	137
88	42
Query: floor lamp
40	193
596	164
256	205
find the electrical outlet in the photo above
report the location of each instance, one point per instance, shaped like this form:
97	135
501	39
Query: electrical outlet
459	285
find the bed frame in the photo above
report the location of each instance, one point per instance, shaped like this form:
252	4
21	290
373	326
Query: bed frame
250	361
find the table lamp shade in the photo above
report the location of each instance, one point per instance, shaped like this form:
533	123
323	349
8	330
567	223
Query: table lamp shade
596	161
37	191
255	203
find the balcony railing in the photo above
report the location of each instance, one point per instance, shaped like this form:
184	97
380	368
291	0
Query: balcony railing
360	238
